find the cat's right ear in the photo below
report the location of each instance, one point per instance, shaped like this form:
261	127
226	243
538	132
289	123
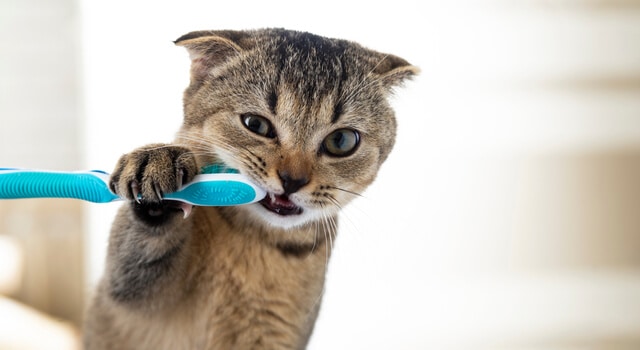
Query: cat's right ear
207	50
393	70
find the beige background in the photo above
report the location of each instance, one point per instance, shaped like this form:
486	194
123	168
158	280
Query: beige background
508	216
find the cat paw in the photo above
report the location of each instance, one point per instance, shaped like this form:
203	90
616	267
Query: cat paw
149	172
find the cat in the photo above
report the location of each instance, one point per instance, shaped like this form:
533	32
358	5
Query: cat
307	118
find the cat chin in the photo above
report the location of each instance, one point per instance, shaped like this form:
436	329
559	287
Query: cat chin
274	220
286	222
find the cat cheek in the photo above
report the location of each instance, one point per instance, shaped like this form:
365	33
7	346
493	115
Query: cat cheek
360	170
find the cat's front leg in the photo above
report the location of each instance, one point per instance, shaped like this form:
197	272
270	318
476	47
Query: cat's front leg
145	174
149	235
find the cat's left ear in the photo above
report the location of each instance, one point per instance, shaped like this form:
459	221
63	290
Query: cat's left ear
393	70
208	49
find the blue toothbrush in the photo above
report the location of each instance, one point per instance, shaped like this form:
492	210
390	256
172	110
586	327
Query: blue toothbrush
219	186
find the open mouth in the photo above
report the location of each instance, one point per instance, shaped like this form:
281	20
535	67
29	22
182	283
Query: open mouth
281	205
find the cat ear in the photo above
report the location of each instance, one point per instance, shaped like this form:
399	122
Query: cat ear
393	70
208	49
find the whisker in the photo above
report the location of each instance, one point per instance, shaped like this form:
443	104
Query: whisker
333	227
328	244
160	147
365	82
334	201
210	147
315	236
347	191
377	64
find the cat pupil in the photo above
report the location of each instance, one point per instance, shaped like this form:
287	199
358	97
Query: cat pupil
340	141
256	125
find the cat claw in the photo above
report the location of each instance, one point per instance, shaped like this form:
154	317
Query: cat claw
158	192
135	191
180	177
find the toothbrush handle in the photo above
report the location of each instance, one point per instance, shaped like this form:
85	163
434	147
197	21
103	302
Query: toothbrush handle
90	186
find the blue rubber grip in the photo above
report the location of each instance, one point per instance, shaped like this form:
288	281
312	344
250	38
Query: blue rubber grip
216	193
88	186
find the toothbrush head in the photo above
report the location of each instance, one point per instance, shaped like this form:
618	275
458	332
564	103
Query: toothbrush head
219	189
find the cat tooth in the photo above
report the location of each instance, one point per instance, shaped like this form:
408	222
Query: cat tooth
186	209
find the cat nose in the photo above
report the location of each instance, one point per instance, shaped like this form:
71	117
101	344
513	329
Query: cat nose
290	184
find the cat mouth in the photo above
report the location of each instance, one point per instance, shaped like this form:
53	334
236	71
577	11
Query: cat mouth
280	204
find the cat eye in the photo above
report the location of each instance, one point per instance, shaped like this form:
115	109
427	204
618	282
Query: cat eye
259	125
341	143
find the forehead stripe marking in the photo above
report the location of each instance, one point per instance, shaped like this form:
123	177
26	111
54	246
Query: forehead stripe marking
337	112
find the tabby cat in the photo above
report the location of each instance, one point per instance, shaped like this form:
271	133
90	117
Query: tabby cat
307	119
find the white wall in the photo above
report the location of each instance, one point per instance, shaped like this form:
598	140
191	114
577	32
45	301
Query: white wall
38	85
451	247
40	118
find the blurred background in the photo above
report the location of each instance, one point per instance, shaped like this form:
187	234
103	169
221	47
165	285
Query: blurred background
507	217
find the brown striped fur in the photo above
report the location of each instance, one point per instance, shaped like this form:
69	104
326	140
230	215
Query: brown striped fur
245	277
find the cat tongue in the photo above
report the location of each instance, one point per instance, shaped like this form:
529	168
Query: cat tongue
281	205
282	201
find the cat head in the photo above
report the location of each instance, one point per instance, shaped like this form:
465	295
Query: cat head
306	117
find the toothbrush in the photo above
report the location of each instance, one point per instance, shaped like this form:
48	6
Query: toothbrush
218	186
